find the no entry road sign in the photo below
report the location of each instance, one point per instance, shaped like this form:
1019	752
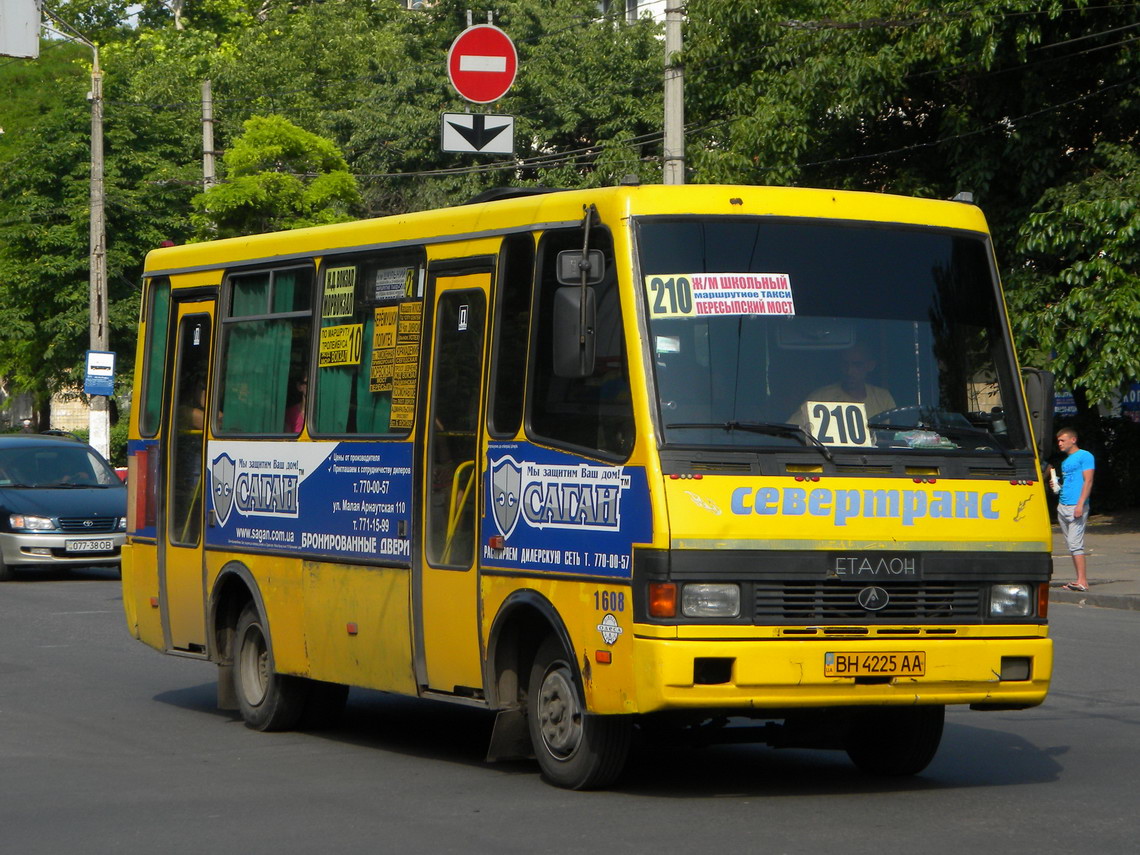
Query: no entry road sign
482	63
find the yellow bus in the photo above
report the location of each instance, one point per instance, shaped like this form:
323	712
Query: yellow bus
721	462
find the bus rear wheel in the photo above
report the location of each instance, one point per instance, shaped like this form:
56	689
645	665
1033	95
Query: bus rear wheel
267	700
895	742
574	750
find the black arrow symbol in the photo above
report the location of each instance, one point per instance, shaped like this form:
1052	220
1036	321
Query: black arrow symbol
478	135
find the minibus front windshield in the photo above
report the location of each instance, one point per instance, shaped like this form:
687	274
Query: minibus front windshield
833	336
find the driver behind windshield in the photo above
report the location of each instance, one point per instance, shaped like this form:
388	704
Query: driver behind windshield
855	364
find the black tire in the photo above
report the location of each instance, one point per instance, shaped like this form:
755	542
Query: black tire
7	574
895	742
324	705
267	700
574	750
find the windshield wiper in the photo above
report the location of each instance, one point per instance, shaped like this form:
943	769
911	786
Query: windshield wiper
952	430
768	428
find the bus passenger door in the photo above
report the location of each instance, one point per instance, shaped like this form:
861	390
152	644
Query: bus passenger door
448	655
181	560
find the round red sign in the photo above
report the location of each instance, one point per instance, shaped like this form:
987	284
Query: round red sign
482	63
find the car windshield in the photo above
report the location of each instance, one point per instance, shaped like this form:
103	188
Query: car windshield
860	336
57	465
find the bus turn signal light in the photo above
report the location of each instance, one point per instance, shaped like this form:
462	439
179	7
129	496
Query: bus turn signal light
662	599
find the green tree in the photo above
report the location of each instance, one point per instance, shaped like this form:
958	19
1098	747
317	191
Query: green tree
1076	297
587	102
1019	101
278	176
45	219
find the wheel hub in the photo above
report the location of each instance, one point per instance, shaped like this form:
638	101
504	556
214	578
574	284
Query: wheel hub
560	718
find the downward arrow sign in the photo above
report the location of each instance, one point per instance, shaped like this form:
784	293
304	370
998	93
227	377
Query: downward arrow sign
475	135
479	134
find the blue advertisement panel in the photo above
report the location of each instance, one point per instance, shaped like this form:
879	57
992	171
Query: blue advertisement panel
347	500
558	512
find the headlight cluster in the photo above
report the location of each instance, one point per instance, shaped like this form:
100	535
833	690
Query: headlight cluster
26	522
1014	600
697	600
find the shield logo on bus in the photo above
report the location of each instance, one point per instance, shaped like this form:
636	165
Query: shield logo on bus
222	486
506	481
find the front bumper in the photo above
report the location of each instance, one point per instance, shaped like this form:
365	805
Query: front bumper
26	548
781	674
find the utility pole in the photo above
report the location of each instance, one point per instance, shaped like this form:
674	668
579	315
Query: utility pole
99	416
674	147
99	425
209	173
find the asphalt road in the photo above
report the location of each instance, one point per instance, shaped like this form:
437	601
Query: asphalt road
107	746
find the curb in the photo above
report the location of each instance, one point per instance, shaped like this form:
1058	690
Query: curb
1127	602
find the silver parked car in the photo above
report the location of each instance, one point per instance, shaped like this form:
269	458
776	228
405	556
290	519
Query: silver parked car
60	503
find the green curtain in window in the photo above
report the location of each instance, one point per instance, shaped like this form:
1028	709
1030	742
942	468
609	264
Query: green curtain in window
334	392
372	408
257	361
338	385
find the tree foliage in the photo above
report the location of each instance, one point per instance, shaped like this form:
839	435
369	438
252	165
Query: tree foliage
279	177
1076	297
1030	104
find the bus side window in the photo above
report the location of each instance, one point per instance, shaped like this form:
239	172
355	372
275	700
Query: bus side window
594	413
512	322
157	334
377	298
265	335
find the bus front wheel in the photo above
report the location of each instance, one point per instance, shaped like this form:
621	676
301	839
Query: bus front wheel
574	750
267	700
895	742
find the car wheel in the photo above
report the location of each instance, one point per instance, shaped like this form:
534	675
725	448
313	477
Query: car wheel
267	700
895	742
574	750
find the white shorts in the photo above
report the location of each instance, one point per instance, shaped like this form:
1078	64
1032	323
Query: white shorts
1073	529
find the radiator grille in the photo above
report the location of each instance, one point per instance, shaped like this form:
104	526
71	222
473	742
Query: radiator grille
87	525
825	601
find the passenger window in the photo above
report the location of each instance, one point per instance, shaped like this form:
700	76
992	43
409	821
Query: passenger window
265	348
157	334
593	413
368	346
512	323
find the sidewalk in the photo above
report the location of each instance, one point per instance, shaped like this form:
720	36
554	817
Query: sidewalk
1113	545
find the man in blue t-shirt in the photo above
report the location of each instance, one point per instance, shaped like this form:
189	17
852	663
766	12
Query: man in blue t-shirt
1073	501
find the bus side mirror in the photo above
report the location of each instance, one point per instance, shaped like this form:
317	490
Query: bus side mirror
571	263
1039	396
574	332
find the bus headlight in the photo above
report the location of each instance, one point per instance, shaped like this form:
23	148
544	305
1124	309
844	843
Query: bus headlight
1011	600
709	600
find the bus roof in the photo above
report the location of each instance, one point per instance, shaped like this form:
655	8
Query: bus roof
561	209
